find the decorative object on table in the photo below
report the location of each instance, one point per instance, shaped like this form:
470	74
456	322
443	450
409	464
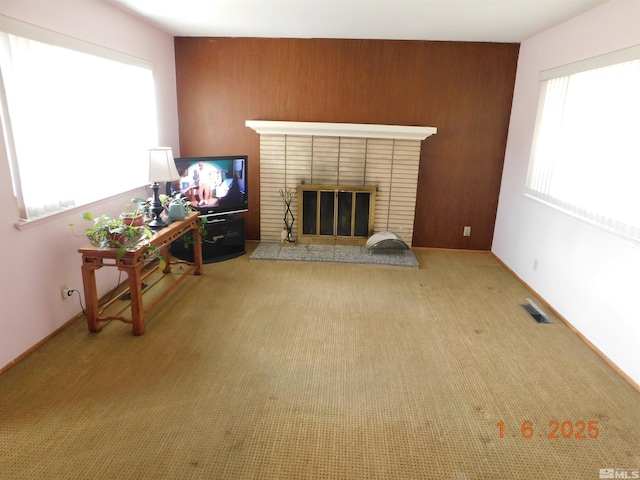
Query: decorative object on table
143	205
288	195
176	211
162	168
177	206
108	232
179	213
133	215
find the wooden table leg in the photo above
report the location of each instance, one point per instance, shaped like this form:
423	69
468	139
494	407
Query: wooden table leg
91	296
197	248
135	291
166	255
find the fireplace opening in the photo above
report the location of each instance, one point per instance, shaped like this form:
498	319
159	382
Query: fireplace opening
341	215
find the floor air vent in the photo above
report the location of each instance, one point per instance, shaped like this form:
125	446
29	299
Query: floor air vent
535	312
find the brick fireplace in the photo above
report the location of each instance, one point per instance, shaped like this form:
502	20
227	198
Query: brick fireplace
340	154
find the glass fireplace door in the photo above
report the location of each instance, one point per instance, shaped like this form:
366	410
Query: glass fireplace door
335	214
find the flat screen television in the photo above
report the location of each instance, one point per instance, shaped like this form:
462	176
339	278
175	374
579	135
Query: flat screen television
213	185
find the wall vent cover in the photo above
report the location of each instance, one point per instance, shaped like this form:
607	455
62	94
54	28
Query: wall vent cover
535	312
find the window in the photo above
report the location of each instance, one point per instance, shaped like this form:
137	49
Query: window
585	157
77	119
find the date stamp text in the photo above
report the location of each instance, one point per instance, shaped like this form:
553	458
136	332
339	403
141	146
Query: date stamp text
555	429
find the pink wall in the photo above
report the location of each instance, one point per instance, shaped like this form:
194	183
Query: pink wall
37	260
588	275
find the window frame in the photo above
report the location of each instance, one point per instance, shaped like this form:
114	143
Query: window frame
32	32
630	232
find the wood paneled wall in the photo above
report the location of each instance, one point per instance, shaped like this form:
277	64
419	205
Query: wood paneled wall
464	89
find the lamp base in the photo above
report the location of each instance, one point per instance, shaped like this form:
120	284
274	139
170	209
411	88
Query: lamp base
157	224
156	208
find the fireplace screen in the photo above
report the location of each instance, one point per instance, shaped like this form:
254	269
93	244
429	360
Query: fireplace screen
335	214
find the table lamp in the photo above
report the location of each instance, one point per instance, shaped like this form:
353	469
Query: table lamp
162	168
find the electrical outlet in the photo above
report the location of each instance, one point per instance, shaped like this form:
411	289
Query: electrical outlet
65	292
466	232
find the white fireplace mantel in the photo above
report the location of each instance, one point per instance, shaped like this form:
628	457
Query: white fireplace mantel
352	130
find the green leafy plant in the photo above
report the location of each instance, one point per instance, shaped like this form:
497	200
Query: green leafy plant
142	204
133	215
125	234
109	232
202	222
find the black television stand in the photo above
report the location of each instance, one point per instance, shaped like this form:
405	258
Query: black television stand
229	235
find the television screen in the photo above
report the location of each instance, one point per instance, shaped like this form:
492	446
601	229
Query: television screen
213	185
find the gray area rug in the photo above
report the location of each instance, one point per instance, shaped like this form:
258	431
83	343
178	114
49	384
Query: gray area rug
333	253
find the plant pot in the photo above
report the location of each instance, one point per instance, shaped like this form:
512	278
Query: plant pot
117	239
134	221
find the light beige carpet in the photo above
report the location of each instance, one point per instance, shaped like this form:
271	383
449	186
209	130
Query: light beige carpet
278	370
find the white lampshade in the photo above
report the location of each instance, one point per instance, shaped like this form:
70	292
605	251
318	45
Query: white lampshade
162	168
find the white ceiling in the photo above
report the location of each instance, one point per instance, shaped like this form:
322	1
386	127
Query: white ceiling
453	20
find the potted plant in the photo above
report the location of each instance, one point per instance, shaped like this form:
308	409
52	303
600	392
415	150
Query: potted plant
109	232
133	215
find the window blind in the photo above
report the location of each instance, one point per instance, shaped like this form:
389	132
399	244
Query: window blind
585	158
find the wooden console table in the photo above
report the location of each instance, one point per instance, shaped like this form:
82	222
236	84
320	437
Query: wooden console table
133	263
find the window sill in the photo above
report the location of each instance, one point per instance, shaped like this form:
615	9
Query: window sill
583	219
28	224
